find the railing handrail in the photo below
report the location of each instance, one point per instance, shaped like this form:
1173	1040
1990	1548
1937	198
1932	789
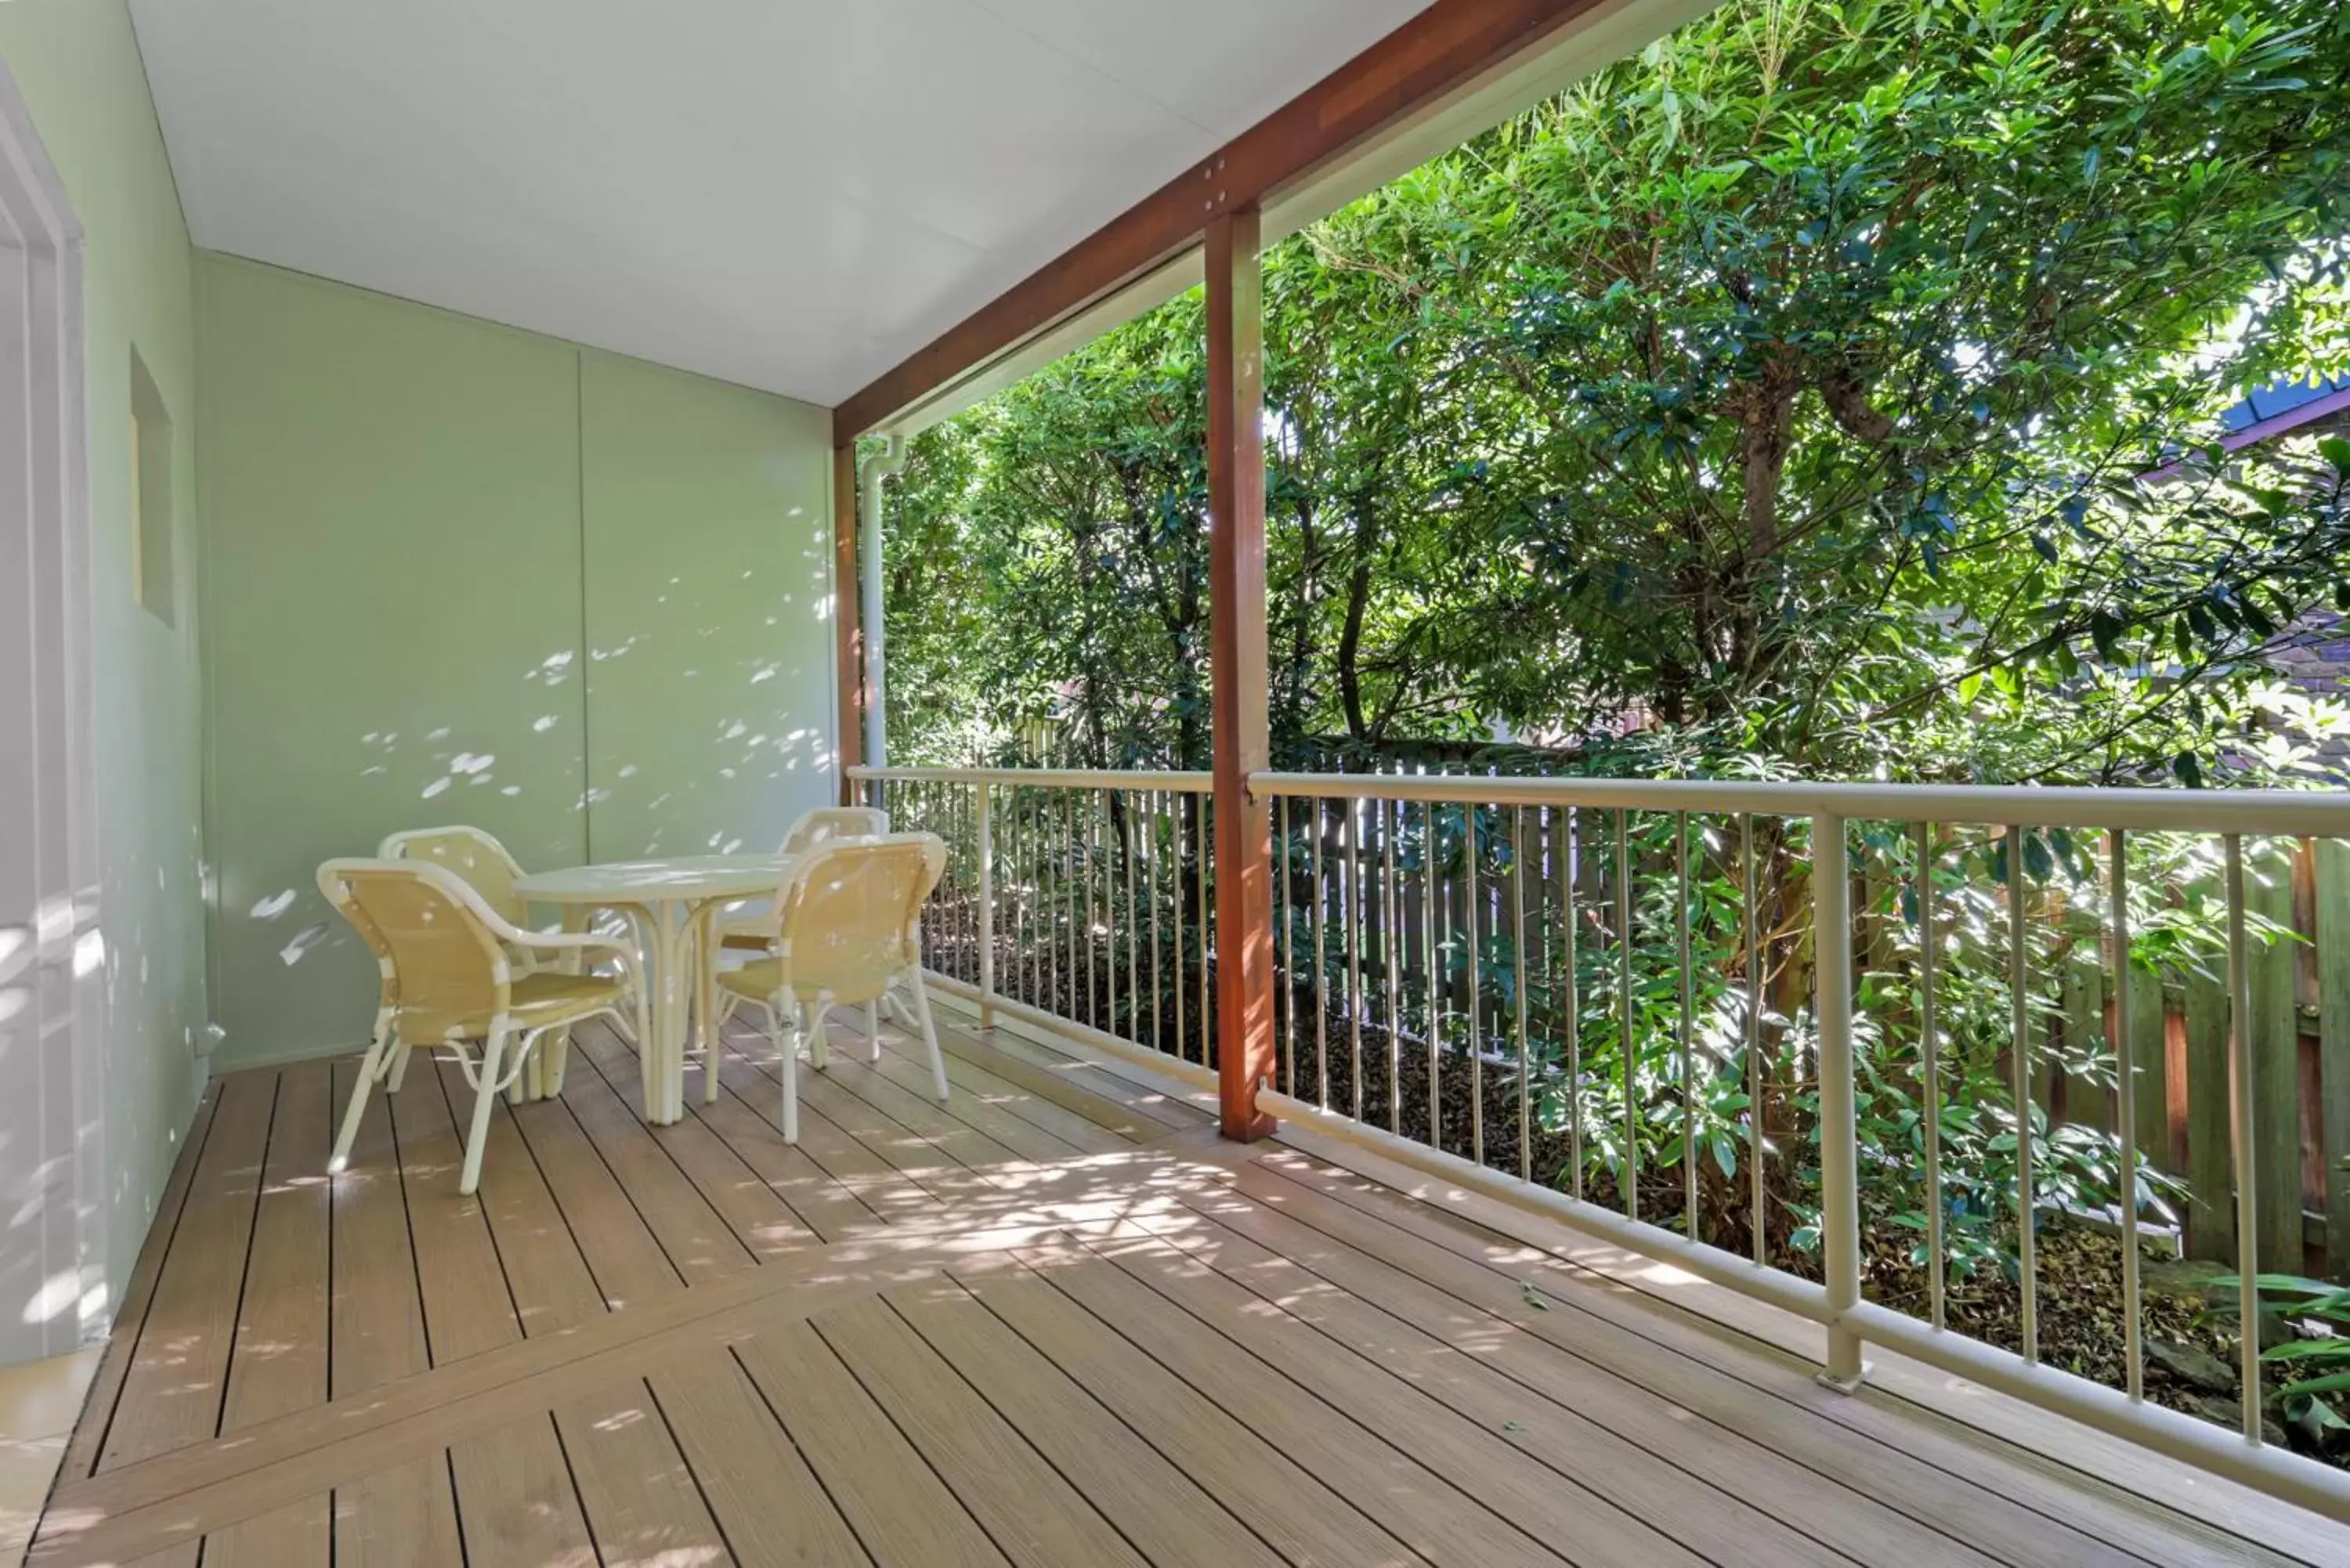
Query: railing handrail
2319	813
1064	778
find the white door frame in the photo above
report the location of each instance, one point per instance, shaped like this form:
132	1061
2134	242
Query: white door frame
52	1164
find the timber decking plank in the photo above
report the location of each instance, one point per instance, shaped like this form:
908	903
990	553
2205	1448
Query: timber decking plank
1719	1481
1964	1484
1076	1115
642	1501
900	1510
1531	1495
1032	1126
1146	1497
746	1074
173	1390
1421	1507
122	1343
699	1242
404	1516
280	1360
467	1308
1298	1516
761	1221
1032	1515
515	1495
769	1503
613	1237
515	1490
546	1272
826	1204
1103	1079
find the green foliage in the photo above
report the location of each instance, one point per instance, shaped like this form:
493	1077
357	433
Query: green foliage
1829	391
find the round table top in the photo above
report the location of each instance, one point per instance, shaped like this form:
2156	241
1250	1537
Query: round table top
657	881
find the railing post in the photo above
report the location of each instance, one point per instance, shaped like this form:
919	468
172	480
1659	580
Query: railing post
848	647
984	831
1839	1154
1238	721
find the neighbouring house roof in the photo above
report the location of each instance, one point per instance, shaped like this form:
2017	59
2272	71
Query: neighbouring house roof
2282	407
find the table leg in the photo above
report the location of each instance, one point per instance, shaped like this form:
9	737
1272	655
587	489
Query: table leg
663	1056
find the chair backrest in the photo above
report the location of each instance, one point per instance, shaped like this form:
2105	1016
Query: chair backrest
481	860
444	965
827	823
850	912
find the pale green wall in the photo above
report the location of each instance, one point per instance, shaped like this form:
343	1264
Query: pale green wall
77	67
432	540
709	711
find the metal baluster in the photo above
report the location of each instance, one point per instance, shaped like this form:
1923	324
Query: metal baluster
1106	823
1126	847
1429	972
1087	802
985	834
1929	1049
1687	1022
1182	958
1286	993
1200	845
1754	1073
1476	1023
1353	917
1391	956
1321	970
1624	985
2248	1209
2019	977
2126	1119
1151	870
1518	975
1074	840
1565	871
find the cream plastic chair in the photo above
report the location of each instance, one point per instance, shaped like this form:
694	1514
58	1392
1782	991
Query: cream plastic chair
488	868
849	927
445	960
752	928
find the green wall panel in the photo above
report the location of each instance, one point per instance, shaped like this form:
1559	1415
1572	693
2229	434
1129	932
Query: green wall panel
391	497
464	574
707	583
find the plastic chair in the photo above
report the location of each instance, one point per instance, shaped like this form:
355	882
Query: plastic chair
752	928
444	958
849	928
490	870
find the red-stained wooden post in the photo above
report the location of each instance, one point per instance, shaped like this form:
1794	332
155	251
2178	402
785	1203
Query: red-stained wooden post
1237	669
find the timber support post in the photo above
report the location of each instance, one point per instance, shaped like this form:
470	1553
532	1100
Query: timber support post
1239	719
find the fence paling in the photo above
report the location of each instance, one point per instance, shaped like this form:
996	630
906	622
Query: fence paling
1366	965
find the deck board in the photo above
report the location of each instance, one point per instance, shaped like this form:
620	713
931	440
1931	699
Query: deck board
1048	1323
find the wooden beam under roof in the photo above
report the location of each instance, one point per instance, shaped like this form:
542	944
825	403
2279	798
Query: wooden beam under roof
1445	47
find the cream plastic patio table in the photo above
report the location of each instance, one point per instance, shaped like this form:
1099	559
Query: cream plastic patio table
669	900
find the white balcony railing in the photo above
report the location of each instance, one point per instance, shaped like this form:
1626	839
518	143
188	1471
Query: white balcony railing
1563	990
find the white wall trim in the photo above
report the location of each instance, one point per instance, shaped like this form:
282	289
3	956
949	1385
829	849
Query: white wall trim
54	1097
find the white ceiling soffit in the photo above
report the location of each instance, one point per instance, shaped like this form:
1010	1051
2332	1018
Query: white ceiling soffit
792	194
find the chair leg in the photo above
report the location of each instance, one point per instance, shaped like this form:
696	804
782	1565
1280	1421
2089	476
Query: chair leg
396	1059
783	1021
873	1027
386	1041
819	1053
485	1095
930	1035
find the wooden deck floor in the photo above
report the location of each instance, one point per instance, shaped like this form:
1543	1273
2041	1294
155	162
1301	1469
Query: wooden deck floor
1055	1323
